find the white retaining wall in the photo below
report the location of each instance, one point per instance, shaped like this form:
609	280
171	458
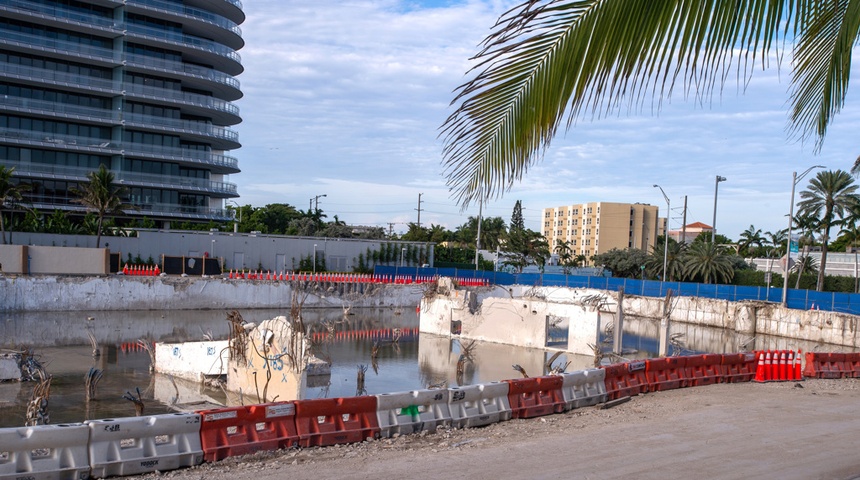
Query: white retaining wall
119	292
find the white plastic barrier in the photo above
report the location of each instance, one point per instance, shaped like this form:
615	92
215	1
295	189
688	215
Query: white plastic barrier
479	405
409	412
44	452
584	388
129	446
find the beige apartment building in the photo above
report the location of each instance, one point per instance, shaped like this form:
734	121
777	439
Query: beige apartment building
597	227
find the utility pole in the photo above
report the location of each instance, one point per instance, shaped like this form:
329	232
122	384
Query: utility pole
419	210
684	224
391	229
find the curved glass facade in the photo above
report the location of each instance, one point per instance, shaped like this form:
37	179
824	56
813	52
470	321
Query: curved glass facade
144	87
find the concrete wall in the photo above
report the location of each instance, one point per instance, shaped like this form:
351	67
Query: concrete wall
36	260
749	317
192	360
517	316
118	292
510	320
13	258
237	250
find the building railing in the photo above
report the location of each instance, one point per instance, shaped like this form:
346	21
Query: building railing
60	78
196	13
183	40
47	11
146	62
101	145
180	96
63	47
124	178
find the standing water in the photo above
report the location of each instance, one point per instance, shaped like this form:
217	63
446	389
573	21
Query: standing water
61	342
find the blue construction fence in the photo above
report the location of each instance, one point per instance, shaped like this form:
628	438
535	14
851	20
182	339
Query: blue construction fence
797	299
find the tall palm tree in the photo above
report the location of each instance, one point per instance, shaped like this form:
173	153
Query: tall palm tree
851	233
10	195
708	262
777	240
751	237
565	251
830	193
548	63
674	260
101	195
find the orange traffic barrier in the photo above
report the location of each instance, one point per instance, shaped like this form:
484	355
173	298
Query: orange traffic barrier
227	432
704	369
535	397
666	373
625	379
331	421
739	367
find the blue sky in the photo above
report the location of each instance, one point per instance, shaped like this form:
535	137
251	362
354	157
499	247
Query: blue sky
346	98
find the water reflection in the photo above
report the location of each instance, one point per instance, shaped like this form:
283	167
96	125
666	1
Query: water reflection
412	362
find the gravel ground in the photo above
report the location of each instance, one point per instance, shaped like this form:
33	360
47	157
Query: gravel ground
803	430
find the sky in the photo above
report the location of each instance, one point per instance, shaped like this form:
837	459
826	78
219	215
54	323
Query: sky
346	98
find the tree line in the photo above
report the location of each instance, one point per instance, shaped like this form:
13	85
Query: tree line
829	204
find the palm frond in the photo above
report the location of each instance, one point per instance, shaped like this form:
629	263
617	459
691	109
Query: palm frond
550	60
822	58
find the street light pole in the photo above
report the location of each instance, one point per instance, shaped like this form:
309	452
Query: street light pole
665	233
315	202
235	223
794	179
402	256
714	223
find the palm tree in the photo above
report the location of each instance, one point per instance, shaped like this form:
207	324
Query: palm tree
850	232
674	260
565	255
750	237
708	262
549	63
777	240
829	193
102	196
10	195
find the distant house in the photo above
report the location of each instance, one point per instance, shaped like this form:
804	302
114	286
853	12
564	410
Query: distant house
690	232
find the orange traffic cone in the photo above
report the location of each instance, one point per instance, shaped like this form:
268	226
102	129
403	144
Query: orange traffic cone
759	369
797	373
783	373
768	367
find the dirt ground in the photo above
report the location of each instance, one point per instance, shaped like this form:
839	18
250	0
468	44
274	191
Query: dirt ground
802	430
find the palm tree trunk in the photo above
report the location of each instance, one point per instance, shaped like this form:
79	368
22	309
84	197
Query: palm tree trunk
99	232
819	286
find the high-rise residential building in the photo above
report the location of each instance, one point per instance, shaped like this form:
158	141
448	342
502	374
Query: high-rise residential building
593	228
143	87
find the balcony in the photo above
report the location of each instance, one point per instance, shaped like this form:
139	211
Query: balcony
156	210
127	179
53	77
219	163
189	43
146	63
229	139
177	96
50	13
193	14
66	142
59	48
59	110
